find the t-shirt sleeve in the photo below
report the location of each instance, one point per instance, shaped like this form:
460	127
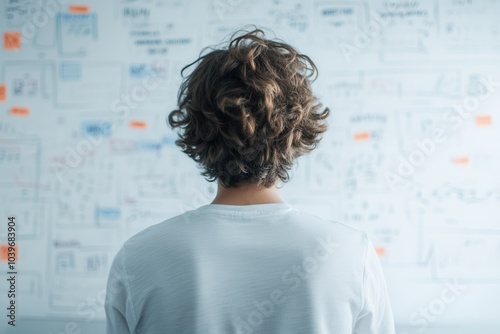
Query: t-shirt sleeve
120	316
376	314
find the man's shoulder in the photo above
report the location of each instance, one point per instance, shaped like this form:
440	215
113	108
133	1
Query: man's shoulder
159	231
331	224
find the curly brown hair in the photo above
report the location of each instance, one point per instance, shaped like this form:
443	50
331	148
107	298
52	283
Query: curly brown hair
247	112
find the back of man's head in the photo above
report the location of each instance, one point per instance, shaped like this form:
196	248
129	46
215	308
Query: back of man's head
247	111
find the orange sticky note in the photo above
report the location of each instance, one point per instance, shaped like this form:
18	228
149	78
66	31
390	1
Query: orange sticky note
79	9
461	160
361	136
138	124
12	40
19	111
482	120
380	251
3	92
4	252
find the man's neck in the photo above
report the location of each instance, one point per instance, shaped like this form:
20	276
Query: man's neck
246	195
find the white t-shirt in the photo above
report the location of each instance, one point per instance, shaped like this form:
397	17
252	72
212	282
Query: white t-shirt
261	268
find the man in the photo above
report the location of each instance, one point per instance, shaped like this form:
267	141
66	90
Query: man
248	262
